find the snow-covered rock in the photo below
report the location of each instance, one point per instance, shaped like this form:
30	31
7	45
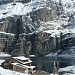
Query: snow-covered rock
11	9
69	53
70	70
43	17
1	61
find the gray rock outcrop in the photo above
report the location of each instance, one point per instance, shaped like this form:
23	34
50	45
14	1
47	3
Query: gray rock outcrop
22	36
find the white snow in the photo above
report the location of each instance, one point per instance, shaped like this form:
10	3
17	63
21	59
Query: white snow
69	70
56	55
53	54
21	58
29	61
32	56
64	1
2	54
7	33
23	66
54	27
69	53
10	72
1	61
5	55
20	8
53	74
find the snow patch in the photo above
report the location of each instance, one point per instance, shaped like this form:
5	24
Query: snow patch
1	61
70	70
11	9
7	33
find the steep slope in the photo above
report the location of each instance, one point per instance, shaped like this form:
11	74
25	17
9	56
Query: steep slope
39	27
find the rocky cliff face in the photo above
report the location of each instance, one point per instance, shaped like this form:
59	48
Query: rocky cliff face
25	39
39	30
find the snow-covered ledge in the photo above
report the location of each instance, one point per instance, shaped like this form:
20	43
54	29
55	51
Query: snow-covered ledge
70	70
